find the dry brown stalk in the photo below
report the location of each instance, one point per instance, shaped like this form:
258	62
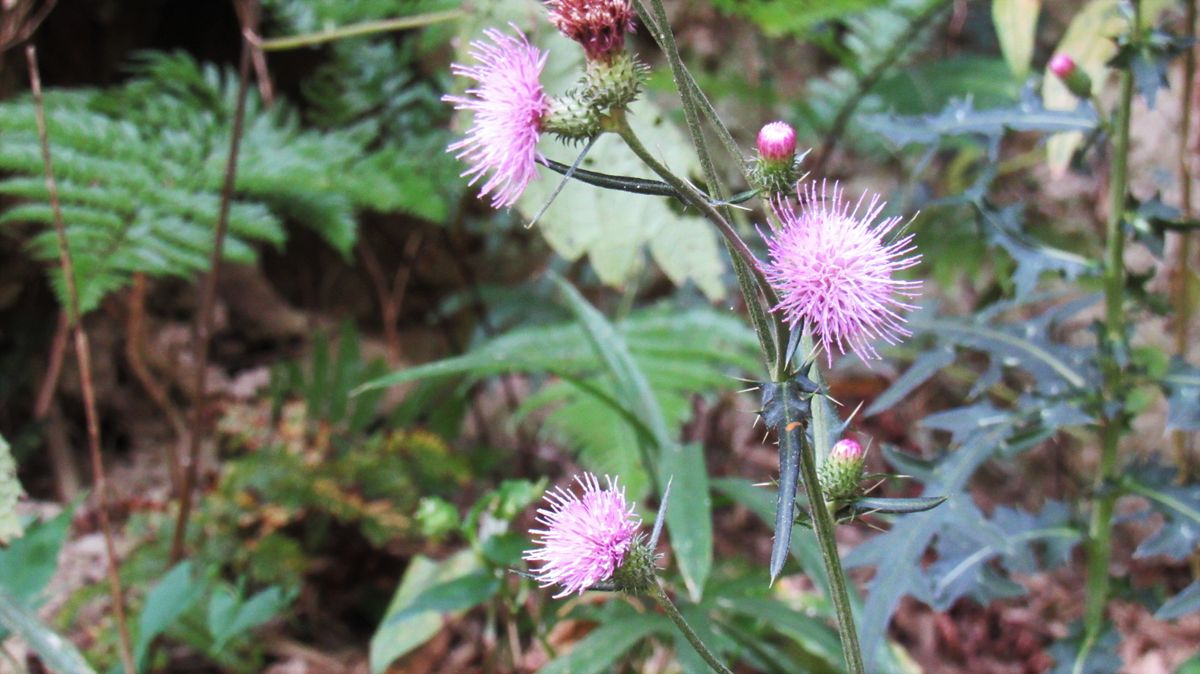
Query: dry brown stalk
83	355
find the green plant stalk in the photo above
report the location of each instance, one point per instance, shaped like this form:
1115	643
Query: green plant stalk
660	596
774	343
359	29
738	248
822	518
824	525
1099	551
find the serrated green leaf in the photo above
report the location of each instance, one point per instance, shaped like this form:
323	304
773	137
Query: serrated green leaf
10	491
1187	601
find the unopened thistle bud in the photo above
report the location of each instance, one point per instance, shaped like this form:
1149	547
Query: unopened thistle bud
774	171
842	470
599	26
571	118
614	82
1076	80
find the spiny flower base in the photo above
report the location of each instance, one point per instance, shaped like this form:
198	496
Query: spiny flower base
614	83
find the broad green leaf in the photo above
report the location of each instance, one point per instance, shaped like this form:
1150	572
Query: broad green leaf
170	598
394	639
597	651
58	653
1090	41
615	355
689	514
27	565
10	491
458	594
1016	24
251	613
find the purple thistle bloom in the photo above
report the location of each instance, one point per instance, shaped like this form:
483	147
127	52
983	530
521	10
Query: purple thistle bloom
508	103
586	536
833	270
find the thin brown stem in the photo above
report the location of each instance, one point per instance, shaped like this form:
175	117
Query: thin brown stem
134	355
202	328
1183	272
54	363
83	355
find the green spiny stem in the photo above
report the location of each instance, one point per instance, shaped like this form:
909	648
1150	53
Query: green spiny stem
634	185
824	526
737	247
694	102
660	596
1099	551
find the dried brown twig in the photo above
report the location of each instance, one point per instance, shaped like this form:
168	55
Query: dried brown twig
248	14
83	355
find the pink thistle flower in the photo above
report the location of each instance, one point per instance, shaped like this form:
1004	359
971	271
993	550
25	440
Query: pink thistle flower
777	142
833	268
586	536
508	104
598	25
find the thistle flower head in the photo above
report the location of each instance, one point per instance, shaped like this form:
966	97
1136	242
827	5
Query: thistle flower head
585	537
508	103
598	25
833	267
777	142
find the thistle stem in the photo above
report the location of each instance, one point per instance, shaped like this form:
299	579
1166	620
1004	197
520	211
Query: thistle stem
1099	551
744	259
824	526
660	595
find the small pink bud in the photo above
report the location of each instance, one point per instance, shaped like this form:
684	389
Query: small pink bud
841	471
1062	66
846	450
777	142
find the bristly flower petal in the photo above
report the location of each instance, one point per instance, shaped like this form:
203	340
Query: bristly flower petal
585	537
508	104
834	269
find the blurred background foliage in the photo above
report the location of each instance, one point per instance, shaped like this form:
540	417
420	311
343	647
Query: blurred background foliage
401	371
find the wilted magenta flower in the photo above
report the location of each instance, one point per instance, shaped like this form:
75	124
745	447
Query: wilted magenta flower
508	104
586	536
1062	66
777	142
833	268
598	25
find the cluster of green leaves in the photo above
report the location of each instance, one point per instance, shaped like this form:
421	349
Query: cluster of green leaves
309	457
140	168
1030	382
211	616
